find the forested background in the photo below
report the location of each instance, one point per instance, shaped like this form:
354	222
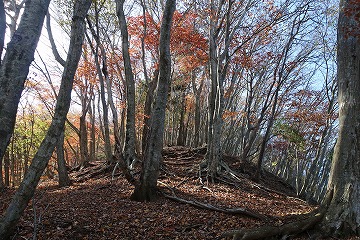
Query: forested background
277	95
279	86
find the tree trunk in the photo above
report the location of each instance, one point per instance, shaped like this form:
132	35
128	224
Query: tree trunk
130	134
343	217
146	189
2	185
197	94
64	179
147	110
27	188
7	168
105	115
15	66
83	140
213	154
92	144
181	140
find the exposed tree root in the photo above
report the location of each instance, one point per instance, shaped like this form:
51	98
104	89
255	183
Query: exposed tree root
91	172
304	222
121	164
266	232
232	211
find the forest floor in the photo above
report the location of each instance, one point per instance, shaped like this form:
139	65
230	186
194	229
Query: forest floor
97	205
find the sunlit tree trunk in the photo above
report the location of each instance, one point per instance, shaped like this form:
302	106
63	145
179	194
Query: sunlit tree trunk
27	187
197	117
146	189
343	216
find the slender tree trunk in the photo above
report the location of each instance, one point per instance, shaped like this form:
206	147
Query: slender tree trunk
2	185
130	134
146	189
64	179
26	189
210	155
7	168
105	115
267	134
83	141
147	110
92	132
182	129
197	117
343	216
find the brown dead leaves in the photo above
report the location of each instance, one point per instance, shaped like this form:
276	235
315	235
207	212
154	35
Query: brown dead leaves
99	208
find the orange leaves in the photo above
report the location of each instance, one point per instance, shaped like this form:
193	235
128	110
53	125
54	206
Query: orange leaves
230	115
188	45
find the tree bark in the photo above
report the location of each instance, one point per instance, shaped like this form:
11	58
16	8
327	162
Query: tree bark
146	189
343	217
26	189
147	110
130	133
181	140
197	117
64	179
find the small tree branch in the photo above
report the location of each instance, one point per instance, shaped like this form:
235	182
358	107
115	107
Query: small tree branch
57	56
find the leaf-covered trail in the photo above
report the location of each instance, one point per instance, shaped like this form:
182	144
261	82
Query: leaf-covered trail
99	207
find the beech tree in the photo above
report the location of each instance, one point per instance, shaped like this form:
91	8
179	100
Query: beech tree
343	216
130	134
146	189
27	188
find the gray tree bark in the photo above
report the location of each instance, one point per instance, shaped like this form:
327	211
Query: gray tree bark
26	189
146	189
130	134
15	66
64	179
197	117
343	216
